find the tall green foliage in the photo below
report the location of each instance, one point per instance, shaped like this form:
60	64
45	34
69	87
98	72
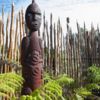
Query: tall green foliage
92	88
93	74
51	90
9	84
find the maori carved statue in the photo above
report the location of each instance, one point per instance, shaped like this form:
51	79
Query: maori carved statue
31	51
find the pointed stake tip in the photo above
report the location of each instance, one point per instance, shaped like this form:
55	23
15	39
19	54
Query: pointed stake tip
33	1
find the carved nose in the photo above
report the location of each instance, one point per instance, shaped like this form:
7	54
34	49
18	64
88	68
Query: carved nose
35	24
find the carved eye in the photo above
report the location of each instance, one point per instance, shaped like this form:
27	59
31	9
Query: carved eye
30	16
36	16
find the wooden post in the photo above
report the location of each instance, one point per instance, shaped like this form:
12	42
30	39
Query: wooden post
55	51
44	39
51	44
3	32
1	44
7	41
68	48
79	66
16	39
20	25
48	46
10	51
7	35
23	24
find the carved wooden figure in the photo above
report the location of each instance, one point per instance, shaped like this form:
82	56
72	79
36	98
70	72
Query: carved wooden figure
31	51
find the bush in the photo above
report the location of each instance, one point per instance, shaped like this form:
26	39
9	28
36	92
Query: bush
51	90
9	84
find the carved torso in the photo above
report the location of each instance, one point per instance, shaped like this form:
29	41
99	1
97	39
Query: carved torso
31	51
32	61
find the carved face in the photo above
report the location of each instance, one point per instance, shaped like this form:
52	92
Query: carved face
33	17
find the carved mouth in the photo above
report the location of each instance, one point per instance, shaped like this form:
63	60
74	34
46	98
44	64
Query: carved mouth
35	24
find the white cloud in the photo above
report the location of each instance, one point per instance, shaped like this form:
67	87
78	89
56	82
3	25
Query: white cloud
86	10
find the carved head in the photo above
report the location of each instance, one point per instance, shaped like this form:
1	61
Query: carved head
33	17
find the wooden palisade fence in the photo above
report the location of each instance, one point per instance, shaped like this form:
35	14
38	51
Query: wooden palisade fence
64	52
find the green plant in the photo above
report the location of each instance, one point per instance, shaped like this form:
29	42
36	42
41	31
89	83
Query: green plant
64	80
92	86
92	89
83	92
9	84
93	74
51	90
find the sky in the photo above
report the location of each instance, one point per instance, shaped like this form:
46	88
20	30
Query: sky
76	10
